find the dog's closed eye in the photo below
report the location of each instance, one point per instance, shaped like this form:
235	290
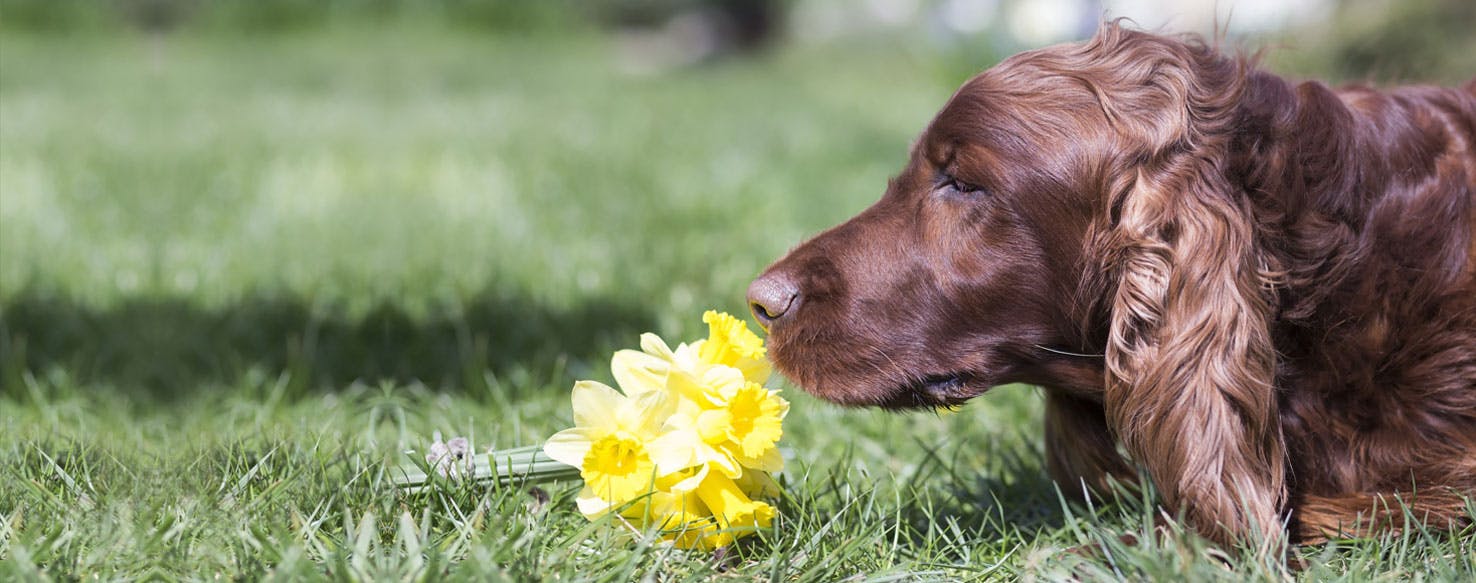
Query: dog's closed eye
949	184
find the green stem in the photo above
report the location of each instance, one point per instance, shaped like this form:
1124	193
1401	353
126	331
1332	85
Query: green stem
522	464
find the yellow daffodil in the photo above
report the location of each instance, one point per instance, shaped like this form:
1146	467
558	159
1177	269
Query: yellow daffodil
734	512
729	343
689	524
689	444
647	368
676	510
672	507
707	509
758	484
724	422
611	444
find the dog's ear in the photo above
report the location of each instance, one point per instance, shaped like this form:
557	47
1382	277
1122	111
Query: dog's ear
1189	356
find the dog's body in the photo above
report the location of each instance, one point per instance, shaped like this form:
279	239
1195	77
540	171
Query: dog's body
1280	280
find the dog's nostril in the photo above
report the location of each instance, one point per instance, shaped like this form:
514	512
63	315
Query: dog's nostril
772	297
767	314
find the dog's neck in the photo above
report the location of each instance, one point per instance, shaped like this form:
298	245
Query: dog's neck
1306	174
1349	195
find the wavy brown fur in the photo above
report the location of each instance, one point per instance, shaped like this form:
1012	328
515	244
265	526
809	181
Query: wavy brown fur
1282	279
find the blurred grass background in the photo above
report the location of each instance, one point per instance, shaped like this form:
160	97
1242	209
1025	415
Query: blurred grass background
402	201
366	189
253	251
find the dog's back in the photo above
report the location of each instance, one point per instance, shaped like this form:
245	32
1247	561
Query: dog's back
1378	331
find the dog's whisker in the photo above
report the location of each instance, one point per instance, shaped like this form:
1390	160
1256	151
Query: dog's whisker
1068	353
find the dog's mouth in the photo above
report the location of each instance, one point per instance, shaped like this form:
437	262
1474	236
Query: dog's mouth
846	372
934	390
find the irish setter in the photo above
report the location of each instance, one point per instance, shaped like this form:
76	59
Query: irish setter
1264	291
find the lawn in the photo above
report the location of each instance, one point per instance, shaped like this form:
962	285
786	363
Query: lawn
242	276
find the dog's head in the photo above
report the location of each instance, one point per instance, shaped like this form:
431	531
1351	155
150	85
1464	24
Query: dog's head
1047	209
947	285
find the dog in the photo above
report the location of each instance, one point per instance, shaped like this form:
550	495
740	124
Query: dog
1264	292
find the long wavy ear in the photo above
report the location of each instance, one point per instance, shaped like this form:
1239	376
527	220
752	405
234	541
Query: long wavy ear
1189	356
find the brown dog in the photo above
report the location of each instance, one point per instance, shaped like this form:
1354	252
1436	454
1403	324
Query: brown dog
1278	283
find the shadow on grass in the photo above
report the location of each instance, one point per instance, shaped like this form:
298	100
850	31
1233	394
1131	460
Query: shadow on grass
171	346
942	511
1009	493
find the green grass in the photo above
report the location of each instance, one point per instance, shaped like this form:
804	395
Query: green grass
241	276
244	483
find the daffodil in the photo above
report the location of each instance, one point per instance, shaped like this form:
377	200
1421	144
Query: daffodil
734	512
687	524
707	509
729	343
758	484
676	510
688	445
724	422
612	444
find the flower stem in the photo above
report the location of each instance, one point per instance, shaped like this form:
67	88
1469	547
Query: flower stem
520	464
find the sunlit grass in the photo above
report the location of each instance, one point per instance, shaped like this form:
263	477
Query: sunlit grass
246	483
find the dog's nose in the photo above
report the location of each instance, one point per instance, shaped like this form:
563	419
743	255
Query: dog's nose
772	296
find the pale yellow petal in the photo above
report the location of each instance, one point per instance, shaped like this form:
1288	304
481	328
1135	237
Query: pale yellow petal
757	484
723	381
692	388
571	445
590	504
638	373
686	357
673	451
648	413
756	370
720	460
781	401
769	461
655	346
688	485
595	404
714	425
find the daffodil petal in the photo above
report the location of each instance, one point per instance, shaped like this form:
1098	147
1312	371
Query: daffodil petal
655	346
686	356
684	417
590	504
595	404
648	413
769	461
756	370
719	459
570	446
734	510
689	485
758	484
673	451
723	381
691	388
638	373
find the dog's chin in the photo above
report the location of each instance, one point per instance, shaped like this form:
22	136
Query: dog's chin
927	391
933	391
838	377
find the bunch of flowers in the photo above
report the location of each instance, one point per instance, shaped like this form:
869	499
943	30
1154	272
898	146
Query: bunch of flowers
688	443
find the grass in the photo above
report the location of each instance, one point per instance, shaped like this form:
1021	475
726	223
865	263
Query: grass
244	483
242	276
